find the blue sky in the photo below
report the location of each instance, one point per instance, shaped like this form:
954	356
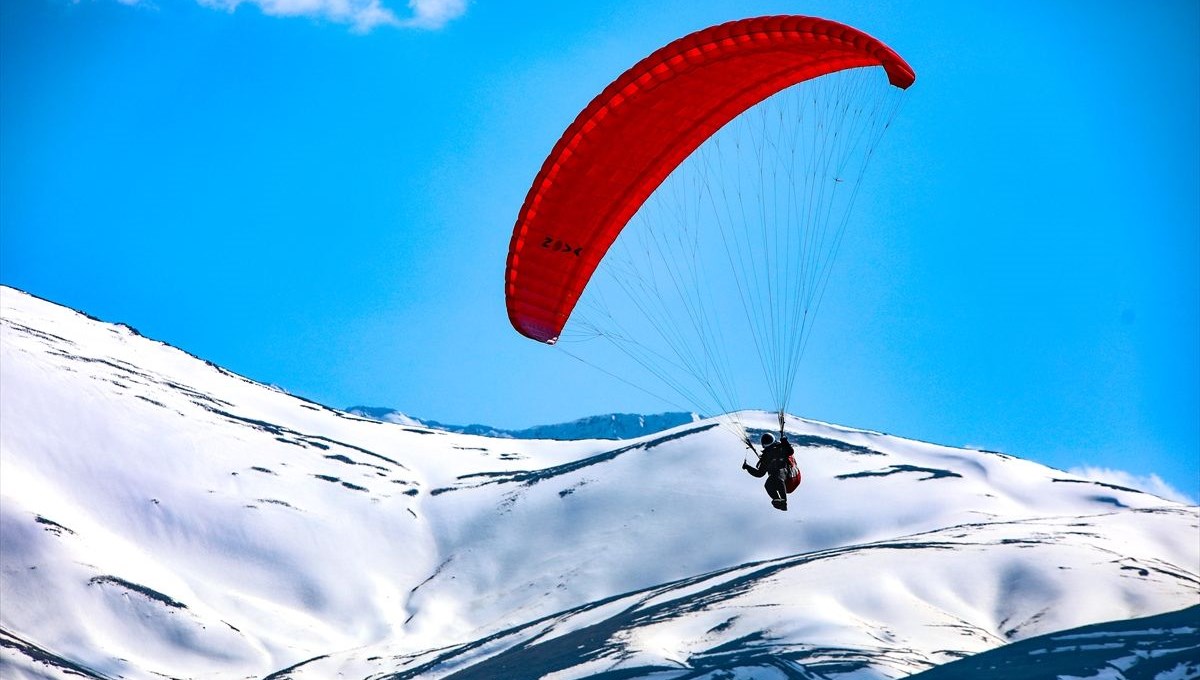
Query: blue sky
320	196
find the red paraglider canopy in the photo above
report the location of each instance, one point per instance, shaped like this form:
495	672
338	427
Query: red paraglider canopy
628	140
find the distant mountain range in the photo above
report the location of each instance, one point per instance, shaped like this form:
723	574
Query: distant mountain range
163	517
611	426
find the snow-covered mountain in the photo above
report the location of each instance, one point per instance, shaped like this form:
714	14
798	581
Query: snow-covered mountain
160	516
609	426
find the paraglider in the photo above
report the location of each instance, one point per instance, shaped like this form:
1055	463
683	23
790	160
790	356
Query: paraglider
777	463
631	136
693	209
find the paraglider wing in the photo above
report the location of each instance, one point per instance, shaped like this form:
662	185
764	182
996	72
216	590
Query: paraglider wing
629	138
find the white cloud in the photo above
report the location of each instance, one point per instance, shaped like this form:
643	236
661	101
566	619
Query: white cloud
1150	483
363	15
435	13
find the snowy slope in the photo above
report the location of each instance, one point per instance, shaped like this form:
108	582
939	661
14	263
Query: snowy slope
1166	646
159	515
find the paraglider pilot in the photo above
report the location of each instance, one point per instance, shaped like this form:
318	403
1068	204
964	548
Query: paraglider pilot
773	463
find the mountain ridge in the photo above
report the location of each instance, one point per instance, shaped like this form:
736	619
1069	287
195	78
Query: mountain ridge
604	426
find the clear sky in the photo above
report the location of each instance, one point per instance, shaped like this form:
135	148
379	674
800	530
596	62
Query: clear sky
320	195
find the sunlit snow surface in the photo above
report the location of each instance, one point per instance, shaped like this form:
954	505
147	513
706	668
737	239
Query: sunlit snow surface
162	516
